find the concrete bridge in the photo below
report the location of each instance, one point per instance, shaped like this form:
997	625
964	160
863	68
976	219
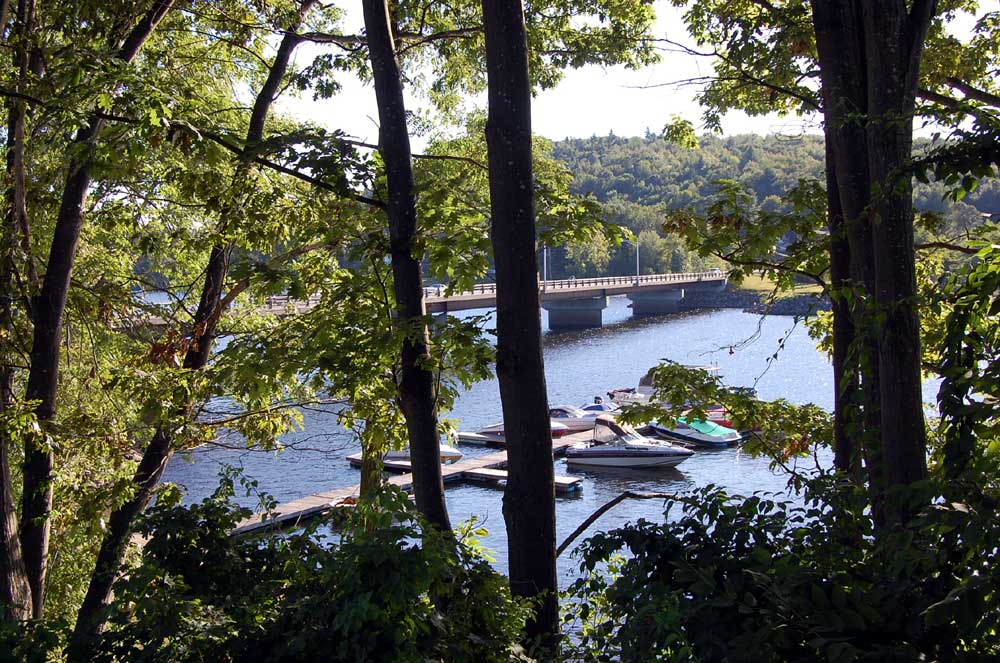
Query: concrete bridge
571	303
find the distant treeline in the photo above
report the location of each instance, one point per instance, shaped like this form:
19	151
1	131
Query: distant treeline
637	179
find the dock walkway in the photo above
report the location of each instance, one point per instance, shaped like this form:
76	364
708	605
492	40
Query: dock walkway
297	512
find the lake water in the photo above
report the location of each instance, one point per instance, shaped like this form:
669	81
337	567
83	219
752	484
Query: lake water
579	365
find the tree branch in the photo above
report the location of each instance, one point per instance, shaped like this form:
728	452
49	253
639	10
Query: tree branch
973	92
429	157
628	495
240	286
948	246
414	40
326	38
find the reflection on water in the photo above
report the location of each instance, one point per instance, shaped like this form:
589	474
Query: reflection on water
579	365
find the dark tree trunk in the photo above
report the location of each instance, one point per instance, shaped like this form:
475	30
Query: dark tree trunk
15	593
47	314
529	499
841	49
416	381
869	60
846	409
90	618
894	45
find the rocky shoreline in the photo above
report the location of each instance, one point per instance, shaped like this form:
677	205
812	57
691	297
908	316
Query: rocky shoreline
754	302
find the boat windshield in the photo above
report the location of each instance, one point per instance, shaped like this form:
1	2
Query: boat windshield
608	430
632	437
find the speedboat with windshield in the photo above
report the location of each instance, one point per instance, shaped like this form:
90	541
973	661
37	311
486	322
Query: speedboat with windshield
618	445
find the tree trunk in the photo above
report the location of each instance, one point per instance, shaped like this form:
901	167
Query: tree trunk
869	60
416	381
15	593
841	49
846	408
90	618
894	43
48	312
529	499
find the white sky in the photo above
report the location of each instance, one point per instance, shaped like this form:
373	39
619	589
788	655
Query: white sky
589	101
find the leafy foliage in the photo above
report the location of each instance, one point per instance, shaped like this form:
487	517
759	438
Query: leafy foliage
756	579
389	588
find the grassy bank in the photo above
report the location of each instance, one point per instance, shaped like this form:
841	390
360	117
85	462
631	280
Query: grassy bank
764	286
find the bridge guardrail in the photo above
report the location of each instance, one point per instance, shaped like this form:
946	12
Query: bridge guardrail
285	304
570	284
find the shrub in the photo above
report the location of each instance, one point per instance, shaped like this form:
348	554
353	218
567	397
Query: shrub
762	580
390	589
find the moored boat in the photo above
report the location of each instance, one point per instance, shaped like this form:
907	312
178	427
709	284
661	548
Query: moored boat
558	429
493	436
698	433
616	445
573	418
645	391
449	454
600	406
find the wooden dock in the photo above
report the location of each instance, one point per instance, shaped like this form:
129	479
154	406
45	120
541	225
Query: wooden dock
480	468
490	475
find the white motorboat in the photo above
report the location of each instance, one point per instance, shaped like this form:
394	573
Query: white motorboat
558	429
573	418
644	392
449	454
616	445
494	435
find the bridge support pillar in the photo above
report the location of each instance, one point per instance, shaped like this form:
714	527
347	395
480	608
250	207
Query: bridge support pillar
575	313
656	303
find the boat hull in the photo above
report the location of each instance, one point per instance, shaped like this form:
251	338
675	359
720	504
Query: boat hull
574	425
623	460
482	439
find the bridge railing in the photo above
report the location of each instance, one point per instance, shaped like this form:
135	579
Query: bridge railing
582	284
283	304
647	279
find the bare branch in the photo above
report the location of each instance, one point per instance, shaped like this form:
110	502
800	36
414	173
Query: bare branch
327	38
428	157
413	40
973	92
948	246
628	495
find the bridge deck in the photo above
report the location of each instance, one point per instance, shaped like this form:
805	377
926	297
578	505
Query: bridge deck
297	512
483	295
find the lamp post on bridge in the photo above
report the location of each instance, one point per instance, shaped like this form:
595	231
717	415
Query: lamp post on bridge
545	265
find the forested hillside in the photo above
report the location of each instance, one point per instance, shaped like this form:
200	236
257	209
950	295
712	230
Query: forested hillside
650	170
638	179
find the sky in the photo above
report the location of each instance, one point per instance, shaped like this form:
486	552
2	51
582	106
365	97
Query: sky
588	101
